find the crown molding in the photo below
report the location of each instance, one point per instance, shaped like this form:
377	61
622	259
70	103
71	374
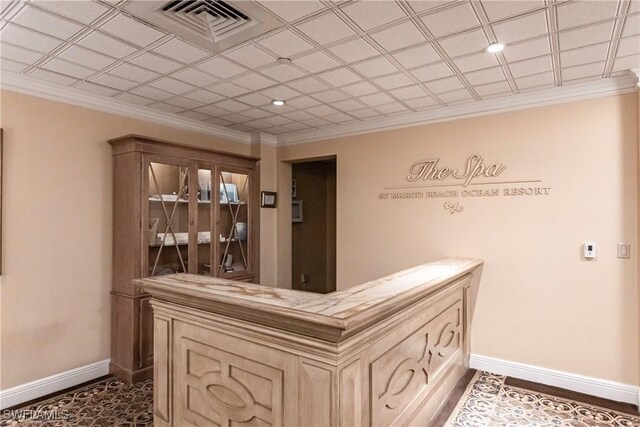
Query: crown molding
557	95
264	138
31	86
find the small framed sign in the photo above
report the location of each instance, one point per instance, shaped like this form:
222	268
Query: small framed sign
268	199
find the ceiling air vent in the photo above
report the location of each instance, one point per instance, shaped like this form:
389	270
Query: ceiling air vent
211	24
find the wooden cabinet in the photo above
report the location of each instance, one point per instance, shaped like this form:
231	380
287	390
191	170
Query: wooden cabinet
176	209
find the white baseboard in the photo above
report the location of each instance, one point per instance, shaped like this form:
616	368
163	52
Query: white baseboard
579	383
38	388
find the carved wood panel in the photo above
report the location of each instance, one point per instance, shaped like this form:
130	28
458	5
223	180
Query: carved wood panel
216	387
315	381
401	377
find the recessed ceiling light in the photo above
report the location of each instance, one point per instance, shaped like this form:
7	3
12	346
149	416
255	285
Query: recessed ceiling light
278	102
495	47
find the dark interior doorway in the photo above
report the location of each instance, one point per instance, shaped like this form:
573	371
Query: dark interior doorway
313	231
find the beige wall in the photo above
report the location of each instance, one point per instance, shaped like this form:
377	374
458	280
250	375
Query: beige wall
539	302
55	304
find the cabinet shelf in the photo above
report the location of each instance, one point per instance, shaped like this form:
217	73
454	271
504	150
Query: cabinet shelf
207	202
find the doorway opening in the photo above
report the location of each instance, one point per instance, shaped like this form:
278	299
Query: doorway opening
313	234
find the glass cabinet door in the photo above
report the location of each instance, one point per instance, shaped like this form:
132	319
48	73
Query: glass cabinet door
168	218
204	223
233	223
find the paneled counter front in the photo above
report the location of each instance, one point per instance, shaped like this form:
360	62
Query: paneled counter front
387	352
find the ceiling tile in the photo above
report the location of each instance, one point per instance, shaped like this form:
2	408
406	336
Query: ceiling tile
491	89
132	30
257	113
364	113
354	50
376	99
218	121
408	92
152	93
68	68
526	50
527	27
580	71
107	45
255	99
421	103
451	20
232	106
27	38
470	42
326	28
376	67
399	36
340	77
250	56
277	120
358	89
211	110
432	72
254	81
307	85
531	66
321	110
13	66
115	82
194	115
52	77
133	99
417	56
456	96
424	5
393	81
302	102
282	73
535	80
131	72
316	62
86	57
369	15
181	51
445	85
338	118
476	62
347	105
36	19
392	107
584	55
299	116
19	54
258	124
204	95
574	14
502	9
290	10
172	85
488	75
295	126
586	36
629	46
329	96
631	25
165	107
280	92
221	67
228	89
195	77
183	102
83	11
626	63
317	123
154	62
98	89
285	44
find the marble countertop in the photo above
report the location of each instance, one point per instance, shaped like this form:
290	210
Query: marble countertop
341	309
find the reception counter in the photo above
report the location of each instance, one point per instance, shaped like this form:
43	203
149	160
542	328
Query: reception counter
387	352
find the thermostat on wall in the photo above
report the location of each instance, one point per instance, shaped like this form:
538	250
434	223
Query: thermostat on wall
590	250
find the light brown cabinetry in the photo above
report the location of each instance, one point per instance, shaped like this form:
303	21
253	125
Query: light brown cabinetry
176	209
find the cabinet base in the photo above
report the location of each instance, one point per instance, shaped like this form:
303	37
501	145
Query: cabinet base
129	376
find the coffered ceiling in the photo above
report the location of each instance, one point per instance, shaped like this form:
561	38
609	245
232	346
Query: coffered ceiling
350	61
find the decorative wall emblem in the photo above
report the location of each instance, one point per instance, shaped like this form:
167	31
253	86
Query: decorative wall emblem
453	207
